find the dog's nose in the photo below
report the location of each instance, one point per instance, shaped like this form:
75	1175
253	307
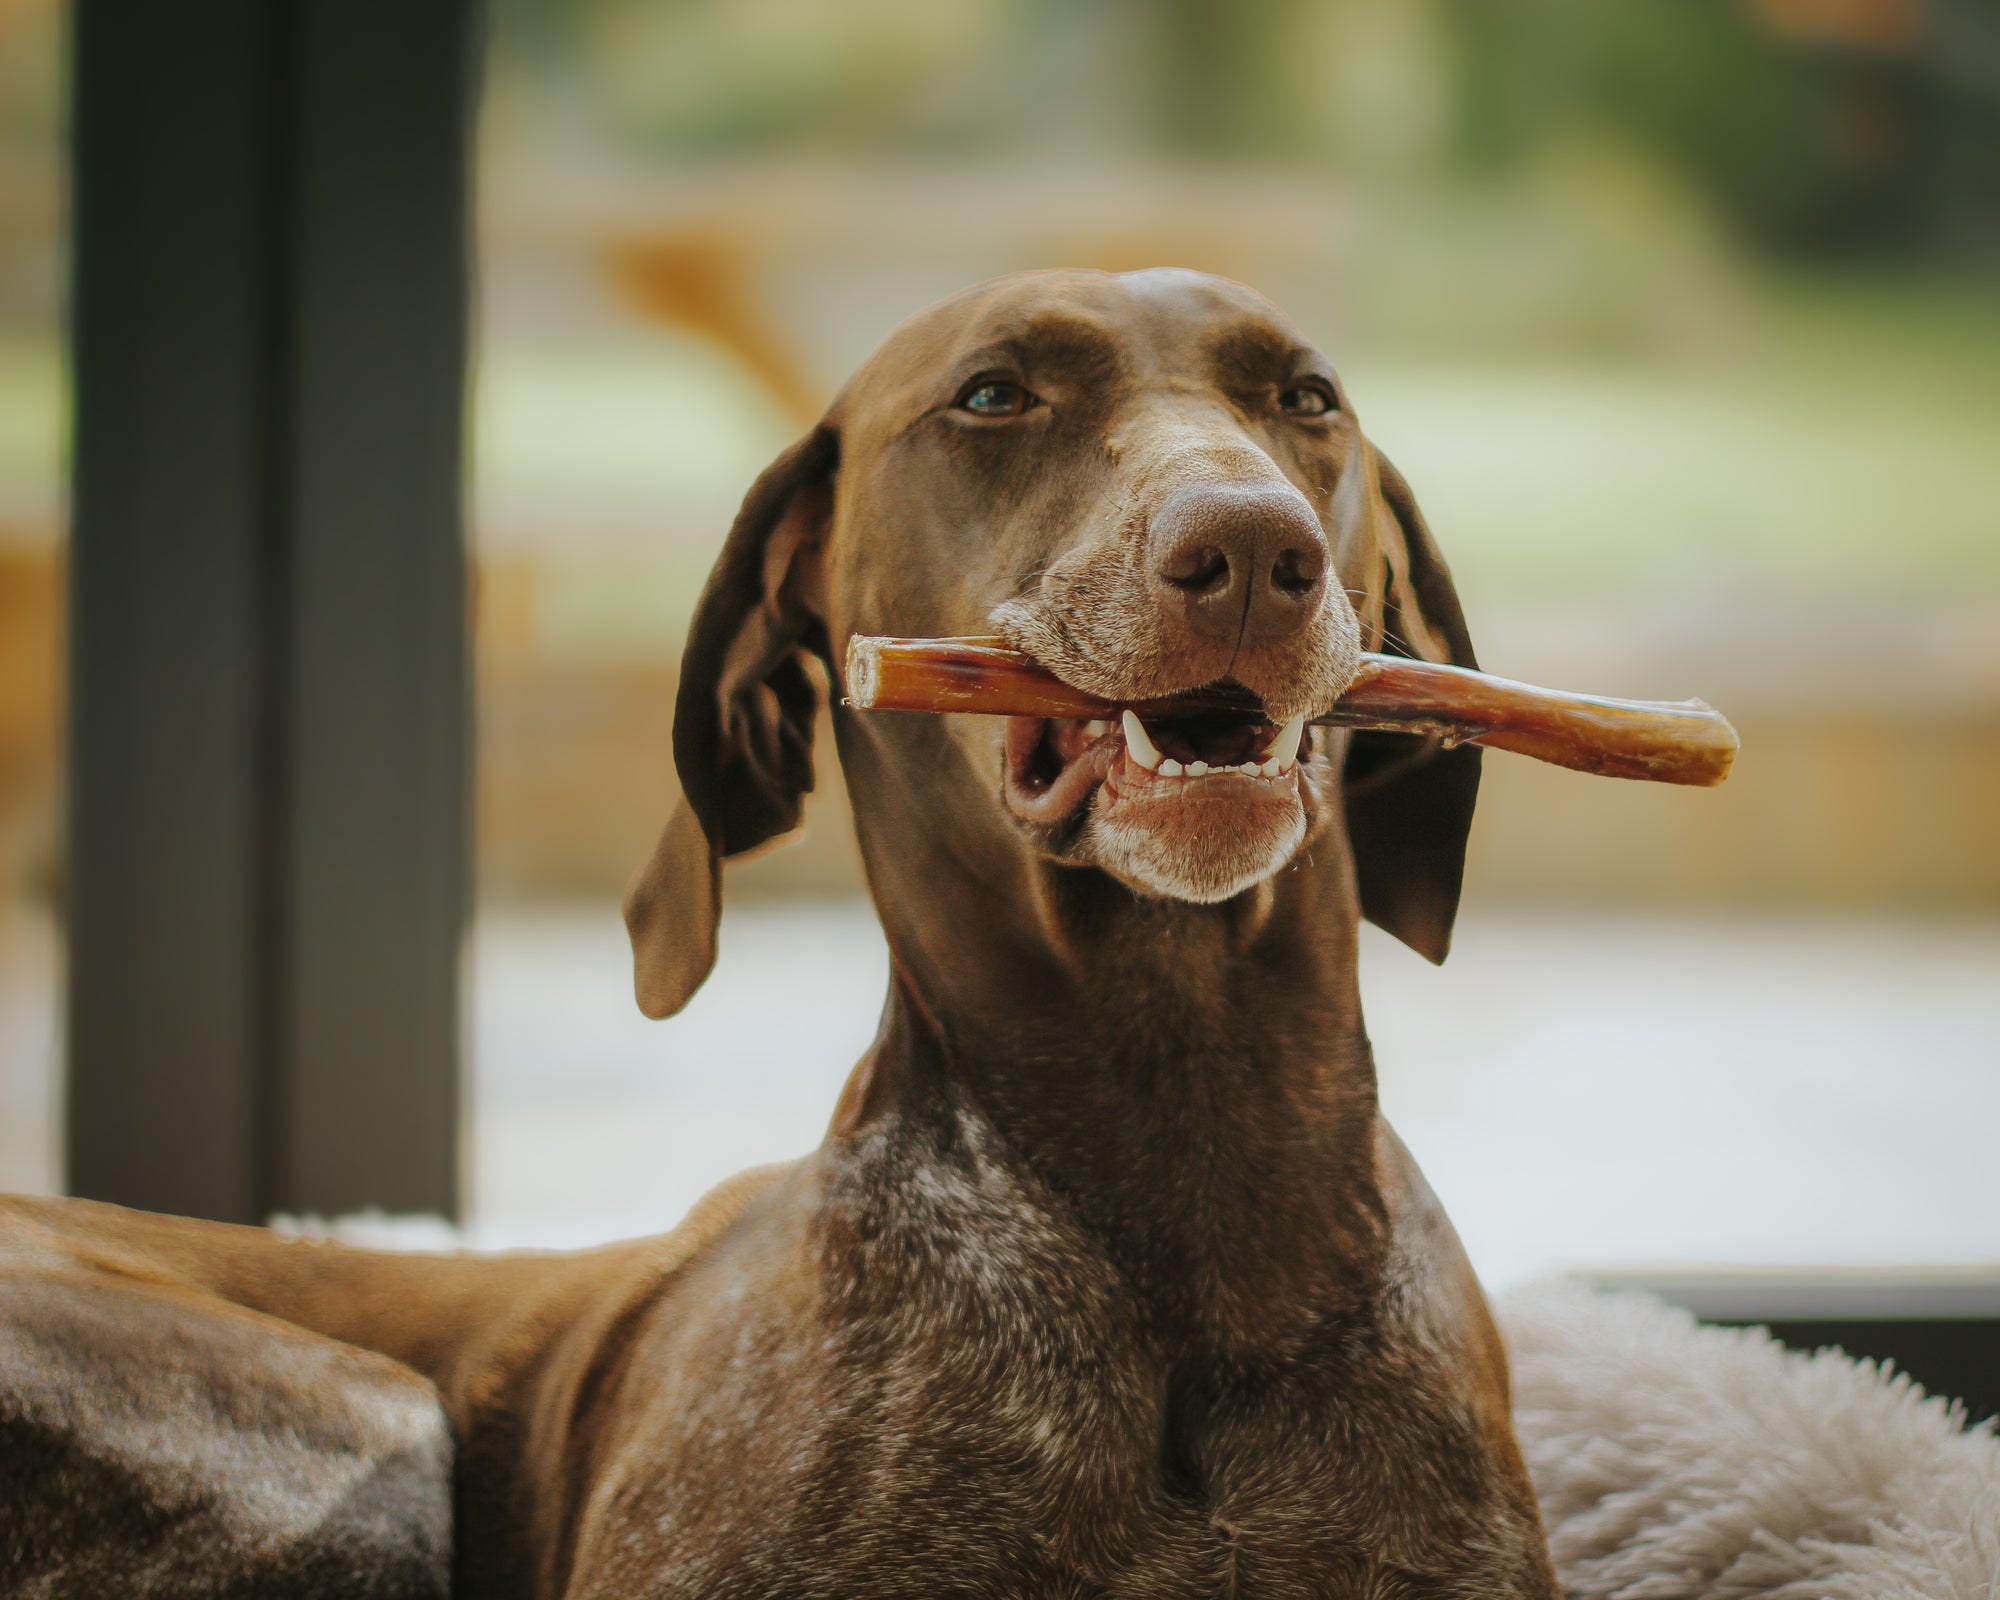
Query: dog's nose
1243	562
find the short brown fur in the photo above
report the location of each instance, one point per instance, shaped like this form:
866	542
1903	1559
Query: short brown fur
1109	1278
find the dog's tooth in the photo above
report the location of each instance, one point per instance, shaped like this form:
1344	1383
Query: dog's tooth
1169	768
1285	748
1197	769
1093	731
1269	768
1250	769
1139	745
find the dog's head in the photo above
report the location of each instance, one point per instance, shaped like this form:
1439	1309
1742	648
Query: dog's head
1148	482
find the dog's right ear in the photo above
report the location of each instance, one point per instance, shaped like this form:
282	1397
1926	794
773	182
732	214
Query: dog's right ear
743	719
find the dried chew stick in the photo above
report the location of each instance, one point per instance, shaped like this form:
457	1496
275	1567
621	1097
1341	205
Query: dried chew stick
1682	741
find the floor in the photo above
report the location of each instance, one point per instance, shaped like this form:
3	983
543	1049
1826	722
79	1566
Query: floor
30	1048
1580	1089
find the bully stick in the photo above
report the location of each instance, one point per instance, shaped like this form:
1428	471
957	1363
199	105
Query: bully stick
1682	741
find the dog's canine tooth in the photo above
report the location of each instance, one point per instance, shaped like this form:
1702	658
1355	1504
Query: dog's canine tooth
1169	768
1141	746
1285	748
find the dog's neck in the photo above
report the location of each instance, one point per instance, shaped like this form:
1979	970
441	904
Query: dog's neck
1192	1084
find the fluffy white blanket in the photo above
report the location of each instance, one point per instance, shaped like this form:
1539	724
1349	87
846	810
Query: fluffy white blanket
1675	1460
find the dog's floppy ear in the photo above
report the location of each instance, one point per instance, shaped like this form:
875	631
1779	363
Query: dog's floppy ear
743	720
1409	802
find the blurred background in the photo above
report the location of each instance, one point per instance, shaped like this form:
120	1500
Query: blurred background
1682	316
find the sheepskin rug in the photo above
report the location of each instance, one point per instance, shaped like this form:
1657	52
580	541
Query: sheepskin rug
1675	1460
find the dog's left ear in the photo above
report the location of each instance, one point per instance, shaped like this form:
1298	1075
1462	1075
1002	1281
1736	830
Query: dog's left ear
1409	802
743	719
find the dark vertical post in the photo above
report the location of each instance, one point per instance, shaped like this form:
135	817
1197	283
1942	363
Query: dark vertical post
166	592
374	817
269	711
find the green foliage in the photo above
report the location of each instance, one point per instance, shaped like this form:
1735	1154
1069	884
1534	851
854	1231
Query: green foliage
1812	146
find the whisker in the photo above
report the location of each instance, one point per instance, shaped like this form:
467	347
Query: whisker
1029	581
1390	636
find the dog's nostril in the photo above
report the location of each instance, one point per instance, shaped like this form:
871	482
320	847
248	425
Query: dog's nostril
1297	571
1196	568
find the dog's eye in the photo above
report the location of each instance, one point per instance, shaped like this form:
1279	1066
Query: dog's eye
996	398
1307	400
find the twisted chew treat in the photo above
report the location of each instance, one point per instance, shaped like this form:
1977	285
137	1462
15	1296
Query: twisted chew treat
1666	741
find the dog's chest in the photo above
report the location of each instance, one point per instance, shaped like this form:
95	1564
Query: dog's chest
967	1402
995	1409
1047	1478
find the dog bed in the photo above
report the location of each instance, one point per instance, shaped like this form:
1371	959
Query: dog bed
1678	1460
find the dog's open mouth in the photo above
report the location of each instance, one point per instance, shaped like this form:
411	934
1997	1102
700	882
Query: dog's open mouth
1197	805
1054	765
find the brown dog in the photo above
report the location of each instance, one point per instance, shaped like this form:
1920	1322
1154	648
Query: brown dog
1109	1279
